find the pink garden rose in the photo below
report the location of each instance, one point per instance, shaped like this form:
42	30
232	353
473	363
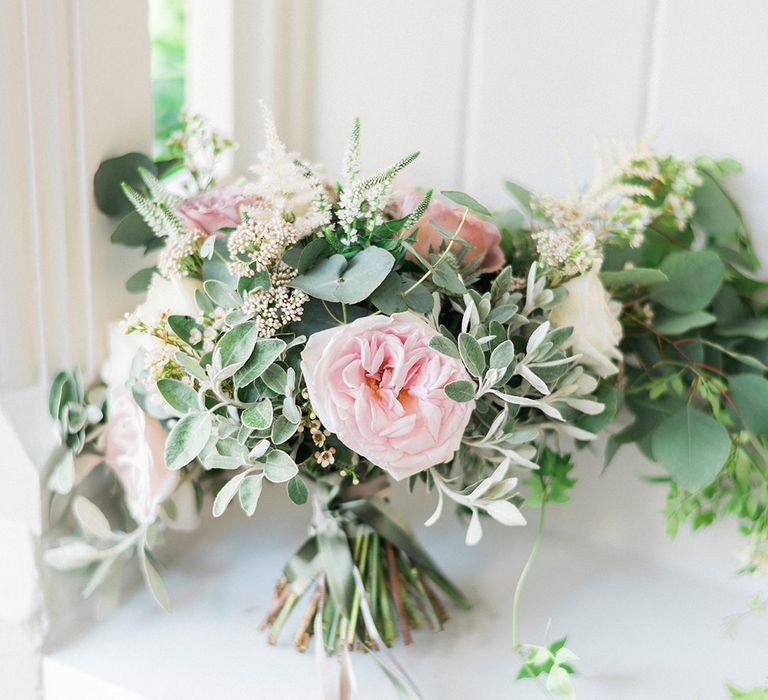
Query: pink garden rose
213	210
379	387
133	445
482	235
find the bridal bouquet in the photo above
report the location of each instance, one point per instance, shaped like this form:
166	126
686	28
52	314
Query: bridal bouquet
330	338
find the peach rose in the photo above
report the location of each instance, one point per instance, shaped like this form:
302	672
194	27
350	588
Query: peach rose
483	236
213	210
133	444
379	387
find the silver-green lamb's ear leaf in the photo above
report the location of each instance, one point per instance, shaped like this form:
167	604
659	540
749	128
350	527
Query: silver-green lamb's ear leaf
348	282
282	430
460	391
221	294
236	345
73	555
227	493
62	477
464	200
280	467
191	366
297	490
179	395
90	518
259	416
692	447
472	354
275	378
154	582
503	355
265	352
694	278
445	346
186	440
249	493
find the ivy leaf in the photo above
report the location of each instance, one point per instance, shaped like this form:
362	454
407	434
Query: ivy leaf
692	447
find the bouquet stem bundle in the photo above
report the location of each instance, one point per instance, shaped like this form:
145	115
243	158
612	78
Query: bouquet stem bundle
364	578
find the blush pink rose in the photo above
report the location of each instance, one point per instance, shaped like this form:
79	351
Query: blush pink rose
134	444
213	210
379	387
481	235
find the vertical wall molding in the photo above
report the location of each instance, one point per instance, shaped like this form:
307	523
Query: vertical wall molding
649	113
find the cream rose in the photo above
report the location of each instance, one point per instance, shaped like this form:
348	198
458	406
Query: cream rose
588	308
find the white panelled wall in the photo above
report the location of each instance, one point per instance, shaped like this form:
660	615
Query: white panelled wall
74	89
486	89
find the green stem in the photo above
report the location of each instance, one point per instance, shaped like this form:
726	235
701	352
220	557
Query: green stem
338	321
521	582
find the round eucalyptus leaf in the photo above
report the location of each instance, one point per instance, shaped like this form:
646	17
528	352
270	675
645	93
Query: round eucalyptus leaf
692	447
112	173
694	278
749	393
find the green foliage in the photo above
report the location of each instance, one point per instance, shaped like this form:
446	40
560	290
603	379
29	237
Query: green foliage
554	661
110	177
551	482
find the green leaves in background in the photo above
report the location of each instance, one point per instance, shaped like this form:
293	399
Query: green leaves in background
179	395
692	447
139	281
464	200
134	232
112	173
716	212
633	275
694	278
347	281
749	393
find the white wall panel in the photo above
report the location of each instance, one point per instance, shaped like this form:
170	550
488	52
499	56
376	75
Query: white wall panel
399	66
708	93
545	78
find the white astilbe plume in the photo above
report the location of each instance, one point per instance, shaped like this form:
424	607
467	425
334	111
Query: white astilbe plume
289	184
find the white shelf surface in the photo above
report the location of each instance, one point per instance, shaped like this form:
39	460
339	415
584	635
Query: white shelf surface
643	613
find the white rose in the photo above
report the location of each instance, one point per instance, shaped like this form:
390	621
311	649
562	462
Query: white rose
164	296
588	308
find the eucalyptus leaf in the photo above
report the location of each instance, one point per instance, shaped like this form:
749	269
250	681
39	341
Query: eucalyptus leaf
139	281
750	328
633	275
692	447
110	176
521	194
348	282
749	393
464	200
676	324
693	280
133	231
